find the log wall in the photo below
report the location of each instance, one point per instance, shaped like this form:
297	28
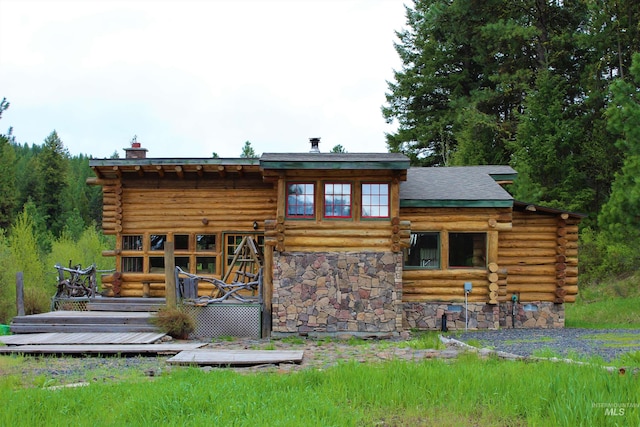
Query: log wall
447	284
355	234
540	254
180	206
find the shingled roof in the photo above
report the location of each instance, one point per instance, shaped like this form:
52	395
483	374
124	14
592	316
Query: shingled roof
469	186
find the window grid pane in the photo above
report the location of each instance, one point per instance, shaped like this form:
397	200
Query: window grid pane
300	200
337	200
132	243
375	200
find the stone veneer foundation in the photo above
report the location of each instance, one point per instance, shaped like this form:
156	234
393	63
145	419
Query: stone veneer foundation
483	316
336	292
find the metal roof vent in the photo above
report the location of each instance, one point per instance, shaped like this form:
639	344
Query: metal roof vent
314	145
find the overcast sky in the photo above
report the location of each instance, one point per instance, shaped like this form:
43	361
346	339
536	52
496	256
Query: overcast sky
190	78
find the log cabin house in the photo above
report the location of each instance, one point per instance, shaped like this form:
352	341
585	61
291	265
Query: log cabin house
352	243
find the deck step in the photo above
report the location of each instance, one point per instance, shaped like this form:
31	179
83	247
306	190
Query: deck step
128	300
109	306
84	317
88	327
84	321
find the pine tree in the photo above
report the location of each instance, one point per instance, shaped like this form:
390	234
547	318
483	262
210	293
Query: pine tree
52	173
620	217
8	189
8	201
248	152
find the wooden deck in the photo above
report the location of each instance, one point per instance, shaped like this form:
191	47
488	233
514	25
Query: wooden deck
236	357
58	338
100	349
102	314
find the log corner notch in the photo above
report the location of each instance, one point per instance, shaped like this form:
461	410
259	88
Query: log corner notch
497	278
274	233
566	259
401	234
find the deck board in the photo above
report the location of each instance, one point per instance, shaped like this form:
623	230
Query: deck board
236	357
52	338
102	349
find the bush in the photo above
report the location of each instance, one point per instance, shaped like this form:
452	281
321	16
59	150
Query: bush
36	301
174	322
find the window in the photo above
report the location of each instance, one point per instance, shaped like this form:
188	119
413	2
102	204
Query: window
195	253
132	264
205	265
424	251
157	241
468	250
337	200
300	200
375	200
181	242
234	240
205	242
132	243
156	264
182	262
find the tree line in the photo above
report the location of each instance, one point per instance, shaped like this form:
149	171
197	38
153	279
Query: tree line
48	215
549	87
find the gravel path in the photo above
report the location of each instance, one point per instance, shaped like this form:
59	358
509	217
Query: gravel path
609	344
578	344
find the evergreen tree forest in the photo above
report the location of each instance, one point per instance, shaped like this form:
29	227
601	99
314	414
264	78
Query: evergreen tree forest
548	87
48	215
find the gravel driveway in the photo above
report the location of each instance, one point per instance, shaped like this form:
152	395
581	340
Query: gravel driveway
609	344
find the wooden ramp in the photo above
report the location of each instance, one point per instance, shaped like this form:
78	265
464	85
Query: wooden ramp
236	357
101	349
57	338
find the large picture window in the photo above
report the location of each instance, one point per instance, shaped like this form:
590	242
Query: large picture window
468	250
337	200
423	251
144	254
300	200
375	200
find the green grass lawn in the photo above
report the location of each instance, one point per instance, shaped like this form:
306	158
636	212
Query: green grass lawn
463	391
467	391
614	304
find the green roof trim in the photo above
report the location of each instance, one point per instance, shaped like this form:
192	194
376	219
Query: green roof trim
334	165
181	161
456	203
504	176
334	161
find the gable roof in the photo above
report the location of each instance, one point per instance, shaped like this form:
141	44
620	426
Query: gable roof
461	186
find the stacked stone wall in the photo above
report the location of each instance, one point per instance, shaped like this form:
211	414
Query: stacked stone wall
429	316
335	292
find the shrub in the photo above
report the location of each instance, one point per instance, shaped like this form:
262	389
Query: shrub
36	301
174	322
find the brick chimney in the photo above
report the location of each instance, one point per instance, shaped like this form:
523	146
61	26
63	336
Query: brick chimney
136	151
314	145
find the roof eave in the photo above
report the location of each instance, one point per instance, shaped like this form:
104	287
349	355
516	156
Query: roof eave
329	165
417	203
